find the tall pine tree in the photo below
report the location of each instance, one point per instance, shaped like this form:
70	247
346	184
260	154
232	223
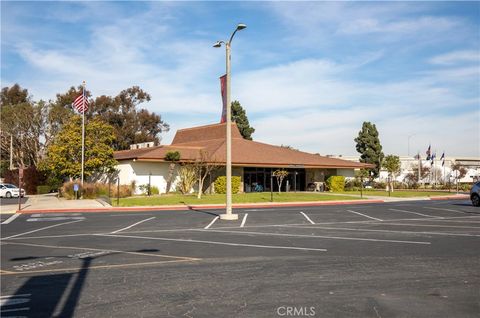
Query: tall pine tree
369	147
240	117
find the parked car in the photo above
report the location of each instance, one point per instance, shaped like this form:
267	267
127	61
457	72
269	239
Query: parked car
475	194
8	190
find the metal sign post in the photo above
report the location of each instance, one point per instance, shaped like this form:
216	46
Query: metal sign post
271	185
75	190
20	177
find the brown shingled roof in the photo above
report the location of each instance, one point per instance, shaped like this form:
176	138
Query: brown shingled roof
211	138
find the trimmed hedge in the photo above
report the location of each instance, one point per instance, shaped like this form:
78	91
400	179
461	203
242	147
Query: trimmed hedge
336	183
221	184
43	189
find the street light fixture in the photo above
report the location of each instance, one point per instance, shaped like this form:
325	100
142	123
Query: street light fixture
228	212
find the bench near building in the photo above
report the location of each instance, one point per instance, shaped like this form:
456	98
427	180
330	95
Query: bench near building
251	160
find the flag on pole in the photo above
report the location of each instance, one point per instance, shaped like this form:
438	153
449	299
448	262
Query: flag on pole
428	152
434	155
223	90
81	103
417	156
442	158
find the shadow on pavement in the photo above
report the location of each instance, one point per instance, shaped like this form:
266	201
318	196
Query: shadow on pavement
190	208
46	292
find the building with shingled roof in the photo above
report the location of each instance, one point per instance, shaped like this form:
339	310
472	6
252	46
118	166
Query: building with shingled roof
253	161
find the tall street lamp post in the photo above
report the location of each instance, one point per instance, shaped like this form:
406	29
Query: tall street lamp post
228	212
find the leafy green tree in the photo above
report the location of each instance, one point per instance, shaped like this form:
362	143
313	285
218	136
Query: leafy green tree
393	165
24	121
131	125
61	110
240	117
14	95
369	147
64	155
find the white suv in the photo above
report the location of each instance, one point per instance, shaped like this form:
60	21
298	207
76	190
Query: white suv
9	190
475	194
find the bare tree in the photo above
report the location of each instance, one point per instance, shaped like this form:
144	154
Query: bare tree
460	172
173	157
205	165
280	175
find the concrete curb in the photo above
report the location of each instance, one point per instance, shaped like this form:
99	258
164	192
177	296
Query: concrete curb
200	206
237	206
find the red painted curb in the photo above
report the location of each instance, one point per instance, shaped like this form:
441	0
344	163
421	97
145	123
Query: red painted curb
193	207
452	197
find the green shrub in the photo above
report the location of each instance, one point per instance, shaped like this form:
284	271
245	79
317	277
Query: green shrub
352	185
144	188
43	189
336	183
154	190
221	184
94	190
380	185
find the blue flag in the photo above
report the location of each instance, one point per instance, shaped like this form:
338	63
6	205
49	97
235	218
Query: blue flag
428	152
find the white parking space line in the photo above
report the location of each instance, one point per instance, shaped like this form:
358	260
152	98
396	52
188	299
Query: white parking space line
421	214
57	218
100	250
9	296
390	231
219	243
211	223
42	215
434	225
320	236
130	226
370	217
14	309
53	236
308	219
442	209
41	229
10	219
244	220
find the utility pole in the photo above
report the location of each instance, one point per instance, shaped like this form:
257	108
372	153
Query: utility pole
11	152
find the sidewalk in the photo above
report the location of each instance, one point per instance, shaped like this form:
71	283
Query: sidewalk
50	203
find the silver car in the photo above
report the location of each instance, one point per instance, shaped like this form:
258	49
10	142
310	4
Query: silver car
9	190
475	194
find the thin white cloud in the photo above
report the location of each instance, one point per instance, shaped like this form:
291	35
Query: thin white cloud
315	101
412	25
456	57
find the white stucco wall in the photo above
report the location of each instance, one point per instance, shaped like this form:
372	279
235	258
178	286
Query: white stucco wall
139	171
347	173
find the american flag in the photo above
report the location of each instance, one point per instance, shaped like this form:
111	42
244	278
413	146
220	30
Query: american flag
81	103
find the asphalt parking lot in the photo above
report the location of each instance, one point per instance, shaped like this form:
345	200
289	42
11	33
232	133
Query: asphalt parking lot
405	259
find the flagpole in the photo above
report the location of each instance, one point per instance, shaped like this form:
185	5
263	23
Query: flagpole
419	167
83	133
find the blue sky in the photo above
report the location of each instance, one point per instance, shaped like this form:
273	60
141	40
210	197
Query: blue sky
307	73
